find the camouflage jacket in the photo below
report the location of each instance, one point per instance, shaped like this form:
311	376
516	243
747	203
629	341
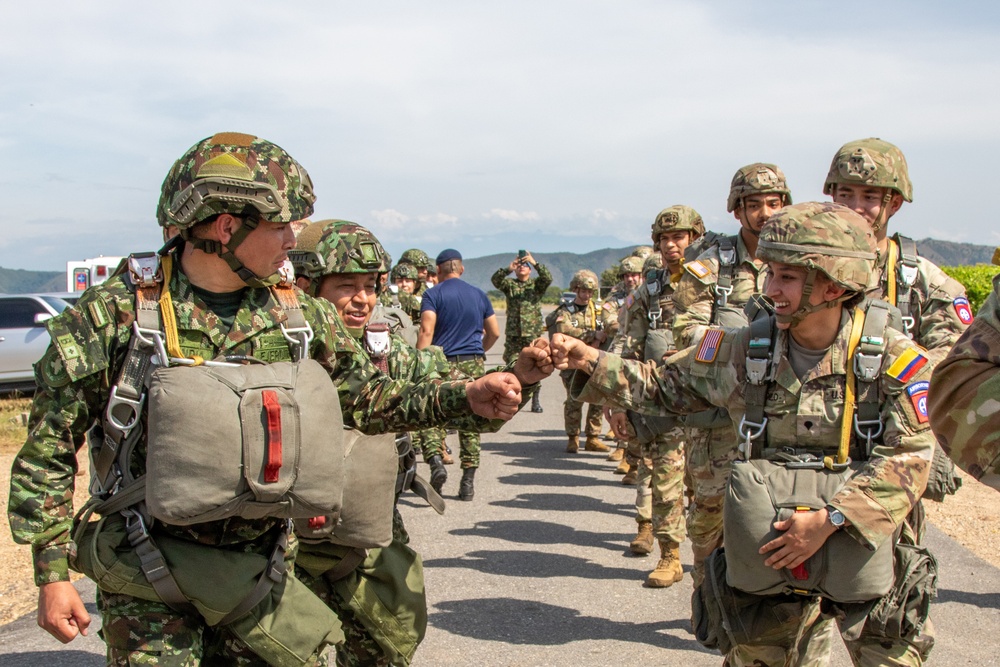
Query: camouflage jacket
801	414
638	321
613	311
77	372
695	297
965	393
938	305
574	320
408	303
524	315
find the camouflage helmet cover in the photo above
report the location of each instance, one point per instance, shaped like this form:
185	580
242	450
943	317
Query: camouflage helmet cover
871	162
404	270
758	178
630	265
826	237
643	251
677	219
652	262
417	258
337	246
234	173
585	279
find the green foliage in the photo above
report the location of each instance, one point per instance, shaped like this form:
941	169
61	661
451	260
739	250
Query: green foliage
552	295
978	281
609	277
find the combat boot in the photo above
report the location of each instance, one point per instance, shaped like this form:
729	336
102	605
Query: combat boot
438	473
446	456
642	545
617	454
536	404
631	478
595	445
623	466
573	444
465	488
668	571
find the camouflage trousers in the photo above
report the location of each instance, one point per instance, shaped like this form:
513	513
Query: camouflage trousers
513	345
573	413
803	640
432	440
661	471
140	632
710	453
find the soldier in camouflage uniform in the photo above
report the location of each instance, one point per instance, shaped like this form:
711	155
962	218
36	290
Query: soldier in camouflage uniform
423	263
579	318
629	278
963	401
712	292
400	292
646	336
524	313
819	264
232	197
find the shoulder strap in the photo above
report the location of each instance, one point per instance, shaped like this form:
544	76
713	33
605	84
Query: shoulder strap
903	268
865	366
759	374
727	266
654	285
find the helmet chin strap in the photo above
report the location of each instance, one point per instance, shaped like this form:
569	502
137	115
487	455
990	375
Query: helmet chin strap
805	308
227	252
883	213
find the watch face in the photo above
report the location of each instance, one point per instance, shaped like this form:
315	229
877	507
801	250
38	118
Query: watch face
836	518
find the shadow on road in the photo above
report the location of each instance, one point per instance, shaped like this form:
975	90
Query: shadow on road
531	564
536	623
35	658
558	480
565	502
543	532
981	600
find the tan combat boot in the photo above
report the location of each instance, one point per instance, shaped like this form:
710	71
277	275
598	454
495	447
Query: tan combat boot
573	444
595	445
668	571
631	478
617	454
642	545
623	466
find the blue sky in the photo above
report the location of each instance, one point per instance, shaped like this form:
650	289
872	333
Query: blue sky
488	127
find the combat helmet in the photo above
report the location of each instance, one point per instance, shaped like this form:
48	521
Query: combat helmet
417	258
404	270
643	251
240	174
758	178
652	262
584	278
678	219
336	246
822	238
874	163
630	265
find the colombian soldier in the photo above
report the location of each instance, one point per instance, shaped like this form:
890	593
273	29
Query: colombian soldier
214	296
712	292
524	313
794	383
400	292
423	263
963	401
646	336
579	318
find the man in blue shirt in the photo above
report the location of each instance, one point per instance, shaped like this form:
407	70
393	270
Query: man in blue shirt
459	318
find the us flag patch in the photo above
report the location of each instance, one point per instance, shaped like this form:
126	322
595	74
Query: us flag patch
918	396
963	310
629	300
697	268
709	348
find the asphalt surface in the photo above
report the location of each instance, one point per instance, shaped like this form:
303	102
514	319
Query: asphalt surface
535	571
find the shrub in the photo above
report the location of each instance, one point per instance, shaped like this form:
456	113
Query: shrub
977	279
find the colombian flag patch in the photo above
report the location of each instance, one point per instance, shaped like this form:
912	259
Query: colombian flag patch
907	365
918	396
709	348
963	310
697	268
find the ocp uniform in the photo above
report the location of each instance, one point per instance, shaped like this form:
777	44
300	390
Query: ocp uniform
578	321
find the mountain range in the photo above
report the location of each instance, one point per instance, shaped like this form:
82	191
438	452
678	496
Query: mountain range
562	265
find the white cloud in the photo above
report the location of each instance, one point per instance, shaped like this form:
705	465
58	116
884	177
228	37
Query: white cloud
509	215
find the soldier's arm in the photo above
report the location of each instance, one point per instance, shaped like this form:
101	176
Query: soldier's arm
609	316
878	498
943	304
542	282
560	322
693	301
500	280
964	399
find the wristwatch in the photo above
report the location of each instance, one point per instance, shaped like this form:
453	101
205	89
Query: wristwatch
837	518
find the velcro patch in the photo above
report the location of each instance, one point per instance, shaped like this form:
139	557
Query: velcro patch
918	396
697	268
709	348
629	300
907	365
608	306
963	310
99	314
67	346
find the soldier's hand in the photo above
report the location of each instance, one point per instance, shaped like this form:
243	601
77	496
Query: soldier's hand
61	612
534	363
570	353
619	422
513	265
529	259
805	533
495	395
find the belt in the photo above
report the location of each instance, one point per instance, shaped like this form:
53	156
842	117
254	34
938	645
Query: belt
466	357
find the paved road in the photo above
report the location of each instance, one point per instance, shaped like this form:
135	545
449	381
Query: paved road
535	572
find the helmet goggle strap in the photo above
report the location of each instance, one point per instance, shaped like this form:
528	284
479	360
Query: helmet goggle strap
249	221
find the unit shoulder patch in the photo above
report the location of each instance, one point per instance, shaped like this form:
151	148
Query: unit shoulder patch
918	397
963	310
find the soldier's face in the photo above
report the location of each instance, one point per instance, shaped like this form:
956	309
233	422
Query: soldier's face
671	246
266	248
523	271
632	280
756	209
583	295
352	294
785	284
865	201
406	284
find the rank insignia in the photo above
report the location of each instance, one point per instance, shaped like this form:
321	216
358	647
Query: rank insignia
963	310
709	348
918	396
907	365
697	268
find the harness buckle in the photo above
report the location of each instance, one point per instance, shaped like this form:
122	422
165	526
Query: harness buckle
154	339
869	429
907	274
654	316
135	406
727	256
300	337
908	323
145	269
750	432
867	366
757	370
722	294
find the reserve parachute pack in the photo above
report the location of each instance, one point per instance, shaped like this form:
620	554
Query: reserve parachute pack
772	483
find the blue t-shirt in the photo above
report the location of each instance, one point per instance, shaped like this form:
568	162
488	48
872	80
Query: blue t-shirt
460	309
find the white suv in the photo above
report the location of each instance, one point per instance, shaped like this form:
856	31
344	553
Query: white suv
23	336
